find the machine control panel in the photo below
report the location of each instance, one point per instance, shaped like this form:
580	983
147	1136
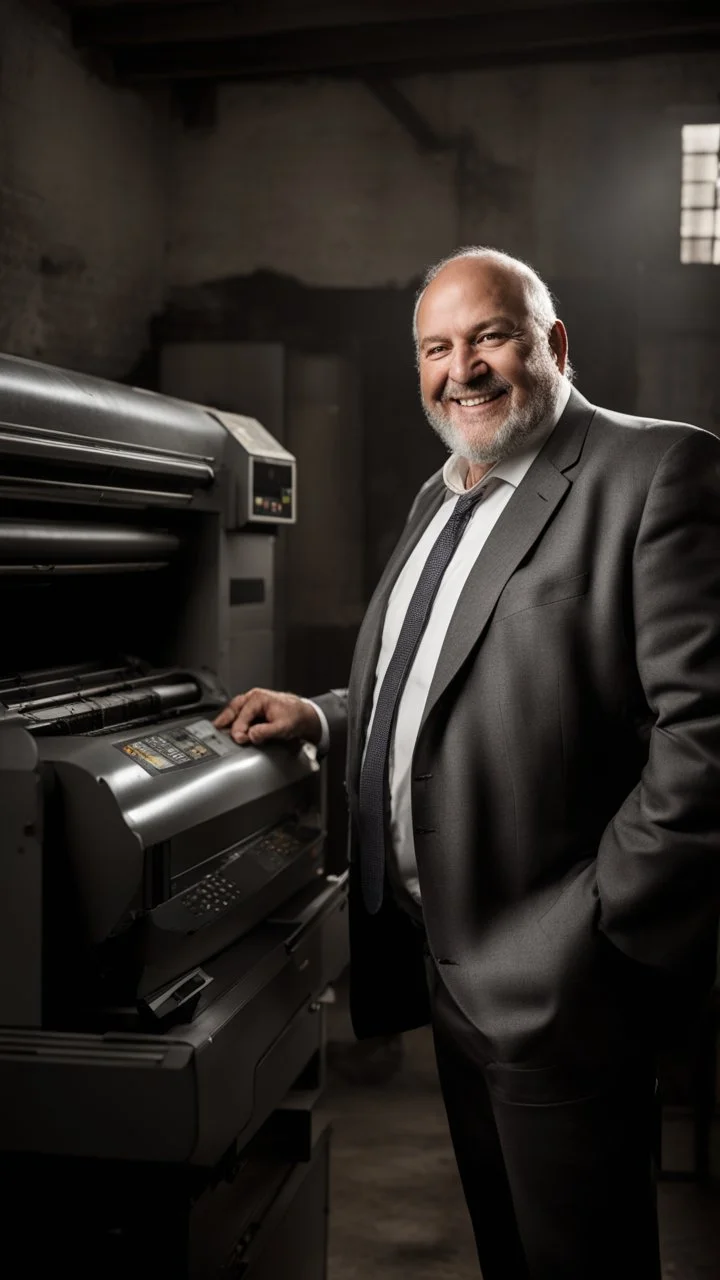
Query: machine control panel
264	471
275	848
231	891
272	491
211	896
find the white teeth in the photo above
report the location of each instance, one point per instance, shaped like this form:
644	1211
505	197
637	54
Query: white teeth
470	404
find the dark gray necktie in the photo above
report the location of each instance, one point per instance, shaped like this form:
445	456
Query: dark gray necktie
374	773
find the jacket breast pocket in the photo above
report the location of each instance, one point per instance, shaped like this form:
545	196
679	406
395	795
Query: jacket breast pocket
519	596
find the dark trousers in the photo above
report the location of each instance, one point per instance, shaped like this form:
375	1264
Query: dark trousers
555	1162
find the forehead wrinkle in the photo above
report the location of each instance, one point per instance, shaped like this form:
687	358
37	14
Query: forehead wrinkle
480	286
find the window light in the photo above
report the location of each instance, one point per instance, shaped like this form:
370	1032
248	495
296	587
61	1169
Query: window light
700	194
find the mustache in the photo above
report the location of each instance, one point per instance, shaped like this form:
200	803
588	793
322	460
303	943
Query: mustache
478	386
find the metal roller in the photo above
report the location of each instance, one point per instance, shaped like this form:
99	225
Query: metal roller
46	546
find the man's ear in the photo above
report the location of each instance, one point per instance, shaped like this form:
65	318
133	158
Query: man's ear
558	340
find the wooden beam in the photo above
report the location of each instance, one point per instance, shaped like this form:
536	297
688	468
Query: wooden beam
501	38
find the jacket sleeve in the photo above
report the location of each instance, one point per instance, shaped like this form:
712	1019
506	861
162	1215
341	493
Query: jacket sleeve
333	706
659	858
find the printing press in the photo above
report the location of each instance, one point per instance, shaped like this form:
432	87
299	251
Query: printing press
167	932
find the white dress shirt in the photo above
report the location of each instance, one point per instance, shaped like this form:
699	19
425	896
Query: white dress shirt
501	482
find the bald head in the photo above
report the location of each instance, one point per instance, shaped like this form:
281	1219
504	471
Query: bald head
537	297
491	353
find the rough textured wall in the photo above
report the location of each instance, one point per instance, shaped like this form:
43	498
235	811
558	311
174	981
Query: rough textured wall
82	202
311	179
574	166
307	214
317	180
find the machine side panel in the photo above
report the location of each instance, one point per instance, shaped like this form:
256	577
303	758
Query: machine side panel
21	944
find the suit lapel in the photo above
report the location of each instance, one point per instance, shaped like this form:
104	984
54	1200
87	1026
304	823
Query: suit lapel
520	525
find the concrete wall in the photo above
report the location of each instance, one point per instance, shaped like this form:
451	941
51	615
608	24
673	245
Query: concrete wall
308	213
576	167
304	218
82	202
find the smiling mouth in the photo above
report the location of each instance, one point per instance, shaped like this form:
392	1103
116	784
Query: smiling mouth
472	402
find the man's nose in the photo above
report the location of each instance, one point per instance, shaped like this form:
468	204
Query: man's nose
466	364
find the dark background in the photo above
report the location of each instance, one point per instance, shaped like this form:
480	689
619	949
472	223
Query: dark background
235	203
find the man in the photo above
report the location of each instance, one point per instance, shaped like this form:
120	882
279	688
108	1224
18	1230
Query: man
533	774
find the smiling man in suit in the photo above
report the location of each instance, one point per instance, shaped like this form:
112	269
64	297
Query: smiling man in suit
533	774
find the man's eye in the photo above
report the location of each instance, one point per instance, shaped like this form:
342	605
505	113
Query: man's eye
491	337
433	351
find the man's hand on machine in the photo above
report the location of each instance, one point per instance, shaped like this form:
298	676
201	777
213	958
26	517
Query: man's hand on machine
262	714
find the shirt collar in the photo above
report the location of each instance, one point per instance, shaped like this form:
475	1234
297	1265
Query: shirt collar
514	468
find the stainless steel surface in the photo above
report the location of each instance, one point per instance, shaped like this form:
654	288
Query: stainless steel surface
38	570
58	542
102	781
60	446
252	444
28	486
90	712
140	842
34	691
248	377
67	436
59	402
114	811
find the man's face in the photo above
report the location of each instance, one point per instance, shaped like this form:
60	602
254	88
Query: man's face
488	376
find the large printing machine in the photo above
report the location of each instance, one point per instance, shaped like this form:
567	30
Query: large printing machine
167	932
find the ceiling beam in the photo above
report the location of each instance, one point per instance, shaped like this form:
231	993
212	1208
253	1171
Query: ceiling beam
499	38
407	114
133	22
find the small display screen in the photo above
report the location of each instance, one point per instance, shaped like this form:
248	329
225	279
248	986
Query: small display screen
272	490
177	748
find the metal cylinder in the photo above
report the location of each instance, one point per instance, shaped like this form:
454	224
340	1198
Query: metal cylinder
44	544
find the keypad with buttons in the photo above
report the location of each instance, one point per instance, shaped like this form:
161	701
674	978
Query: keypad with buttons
230	890
276	848
211	896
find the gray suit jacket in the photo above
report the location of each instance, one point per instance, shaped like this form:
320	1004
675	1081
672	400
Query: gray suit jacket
566	779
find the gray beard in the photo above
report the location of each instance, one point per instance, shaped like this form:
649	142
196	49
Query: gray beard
514	429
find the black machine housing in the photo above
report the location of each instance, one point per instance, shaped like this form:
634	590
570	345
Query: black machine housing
167	931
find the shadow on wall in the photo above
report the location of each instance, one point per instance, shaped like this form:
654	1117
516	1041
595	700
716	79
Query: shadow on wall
620	358
372	329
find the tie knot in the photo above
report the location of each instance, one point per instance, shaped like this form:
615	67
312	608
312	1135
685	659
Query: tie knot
467	501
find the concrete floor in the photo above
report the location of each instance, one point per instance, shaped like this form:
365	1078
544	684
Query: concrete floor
397	1207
